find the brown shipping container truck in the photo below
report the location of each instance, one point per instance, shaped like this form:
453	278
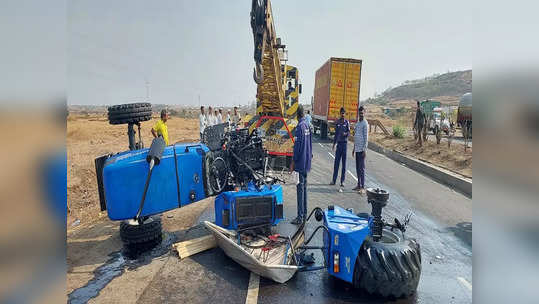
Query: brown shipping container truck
336	85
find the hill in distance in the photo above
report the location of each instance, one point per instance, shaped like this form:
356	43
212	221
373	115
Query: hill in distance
446	88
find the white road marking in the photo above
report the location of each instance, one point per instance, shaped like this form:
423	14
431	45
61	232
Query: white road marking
321	145
331	155
252	291
465	283
352	175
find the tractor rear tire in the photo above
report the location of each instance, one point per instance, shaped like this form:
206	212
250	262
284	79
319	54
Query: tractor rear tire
130	113
141	237
390	267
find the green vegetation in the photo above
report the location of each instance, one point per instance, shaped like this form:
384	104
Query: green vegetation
398	131
448	84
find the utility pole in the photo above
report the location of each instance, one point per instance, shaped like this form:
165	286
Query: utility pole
147	90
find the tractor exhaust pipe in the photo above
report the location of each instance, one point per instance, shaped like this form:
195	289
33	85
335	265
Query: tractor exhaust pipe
153	158
378	200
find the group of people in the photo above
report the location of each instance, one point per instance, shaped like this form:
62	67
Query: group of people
303	155
215	117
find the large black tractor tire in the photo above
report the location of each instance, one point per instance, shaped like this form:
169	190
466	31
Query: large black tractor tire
390	267
130	113
141	237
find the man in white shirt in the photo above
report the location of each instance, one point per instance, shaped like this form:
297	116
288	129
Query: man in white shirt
211	118
215	118
236	118
228	119
361	140
220	117
202	121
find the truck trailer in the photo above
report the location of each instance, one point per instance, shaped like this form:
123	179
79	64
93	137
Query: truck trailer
337	84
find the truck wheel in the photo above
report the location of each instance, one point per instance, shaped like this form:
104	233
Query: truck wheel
141	237
323	130
130	113
390	267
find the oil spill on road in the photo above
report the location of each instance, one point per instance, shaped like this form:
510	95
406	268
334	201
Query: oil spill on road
116	266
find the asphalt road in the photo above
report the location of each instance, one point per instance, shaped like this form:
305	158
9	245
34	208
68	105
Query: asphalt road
441	223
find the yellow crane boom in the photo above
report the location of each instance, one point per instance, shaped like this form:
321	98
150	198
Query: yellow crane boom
267	71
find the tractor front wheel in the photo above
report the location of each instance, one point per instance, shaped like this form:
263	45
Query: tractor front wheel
390	267
138	238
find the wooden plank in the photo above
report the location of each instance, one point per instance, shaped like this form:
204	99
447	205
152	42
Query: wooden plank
186	252
194	246
193	241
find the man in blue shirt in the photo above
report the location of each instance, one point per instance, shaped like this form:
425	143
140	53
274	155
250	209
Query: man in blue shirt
342	129
302	163
309	119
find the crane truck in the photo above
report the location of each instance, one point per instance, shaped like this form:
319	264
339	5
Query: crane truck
278	88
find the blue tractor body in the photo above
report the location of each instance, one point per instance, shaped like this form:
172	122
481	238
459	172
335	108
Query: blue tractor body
188	172
177	181
347	232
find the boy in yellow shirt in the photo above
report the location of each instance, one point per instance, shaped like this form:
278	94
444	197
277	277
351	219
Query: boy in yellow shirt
160	127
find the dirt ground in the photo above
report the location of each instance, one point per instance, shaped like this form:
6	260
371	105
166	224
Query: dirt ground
90	136
453	158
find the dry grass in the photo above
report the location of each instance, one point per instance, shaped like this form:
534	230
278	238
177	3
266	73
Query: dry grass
453	158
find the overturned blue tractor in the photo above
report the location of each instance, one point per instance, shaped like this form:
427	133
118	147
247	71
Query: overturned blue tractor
135	185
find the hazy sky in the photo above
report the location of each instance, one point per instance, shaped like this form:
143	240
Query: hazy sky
191	48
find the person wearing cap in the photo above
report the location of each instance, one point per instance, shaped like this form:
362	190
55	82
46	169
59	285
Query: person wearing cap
301	163
342	129
160	127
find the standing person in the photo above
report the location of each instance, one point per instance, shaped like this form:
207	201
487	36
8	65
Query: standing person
228	118
215	117
211	118
160	127
309	120
236	117
301	163
361	139
419	123
220	116
342	129
202	122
